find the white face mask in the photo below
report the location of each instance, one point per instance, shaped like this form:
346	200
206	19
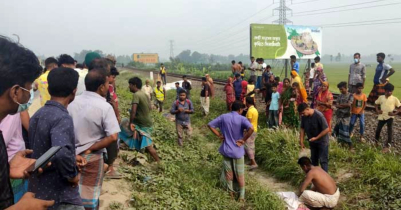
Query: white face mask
23	107
356	60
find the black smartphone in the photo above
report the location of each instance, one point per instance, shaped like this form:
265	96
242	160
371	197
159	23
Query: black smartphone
43	160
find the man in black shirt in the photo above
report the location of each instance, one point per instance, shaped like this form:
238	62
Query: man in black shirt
315	126
187	86
19	67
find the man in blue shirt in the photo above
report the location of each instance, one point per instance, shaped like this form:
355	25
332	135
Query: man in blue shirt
53	126
237	86
182	108
178	88
383	71
294	63
233	138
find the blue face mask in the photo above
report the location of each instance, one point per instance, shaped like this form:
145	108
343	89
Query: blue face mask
356	60
23	107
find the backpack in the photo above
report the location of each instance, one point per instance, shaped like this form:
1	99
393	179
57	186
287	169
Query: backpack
177	102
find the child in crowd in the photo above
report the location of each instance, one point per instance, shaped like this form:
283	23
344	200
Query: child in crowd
160	95
343	115
279	84
388	104
273	108
357	111
244	85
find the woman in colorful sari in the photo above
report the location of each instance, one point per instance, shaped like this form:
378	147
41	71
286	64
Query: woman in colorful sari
319	78
288	105
230	93
324	102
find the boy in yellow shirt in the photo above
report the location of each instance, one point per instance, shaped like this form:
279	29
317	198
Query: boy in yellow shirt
388	104
252	115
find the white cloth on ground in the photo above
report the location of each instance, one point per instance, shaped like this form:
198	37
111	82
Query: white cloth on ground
319	200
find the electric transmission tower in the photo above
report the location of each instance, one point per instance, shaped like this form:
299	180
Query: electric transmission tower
171	48
282	9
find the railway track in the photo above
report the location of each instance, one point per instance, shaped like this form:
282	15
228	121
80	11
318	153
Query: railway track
221	82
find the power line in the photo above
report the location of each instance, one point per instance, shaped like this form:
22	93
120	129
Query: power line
368	24
375	6
367	21
349	5
304	2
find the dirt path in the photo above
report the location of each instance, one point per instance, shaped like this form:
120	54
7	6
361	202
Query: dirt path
268	182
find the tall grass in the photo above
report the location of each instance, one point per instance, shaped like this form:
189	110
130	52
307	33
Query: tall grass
188	178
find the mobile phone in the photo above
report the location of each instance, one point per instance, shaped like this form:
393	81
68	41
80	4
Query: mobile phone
44	159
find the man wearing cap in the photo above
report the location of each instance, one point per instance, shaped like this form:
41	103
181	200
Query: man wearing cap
163	74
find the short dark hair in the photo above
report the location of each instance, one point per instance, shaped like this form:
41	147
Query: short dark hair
95	78
293	57
177	83
80	66
99	63
296	84
312	65
302	107
389	87
114	71
182	91
65	59
277	78
304	161
287	80
274	85
317	58
382	55
358	85
158	82
136	81
184	76
251	80
18	65
240	62
50	60
342	85
252	57
203	79
268	67
250	100
233	61
62	81
358	54
237	105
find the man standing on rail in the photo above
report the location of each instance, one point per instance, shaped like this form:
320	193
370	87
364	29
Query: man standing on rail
294	63
253	68
233	138
163	74
236	68
357	74
383	71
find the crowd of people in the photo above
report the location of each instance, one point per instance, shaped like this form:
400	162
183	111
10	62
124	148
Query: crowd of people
79	113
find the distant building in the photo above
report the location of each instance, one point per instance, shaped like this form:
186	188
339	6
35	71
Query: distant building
147	58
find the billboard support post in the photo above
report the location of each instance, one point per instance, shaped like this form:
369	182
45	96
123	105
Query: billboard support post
286	68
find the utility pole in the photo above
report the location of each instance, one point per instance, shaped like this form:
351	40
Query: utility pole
282	20
171	48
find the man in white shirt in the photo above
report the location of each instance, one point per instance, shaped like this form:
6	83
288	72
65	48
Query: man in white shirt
253	67
147	89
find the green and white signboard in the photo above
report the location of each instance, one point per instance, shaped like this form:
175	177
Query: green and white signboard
270	41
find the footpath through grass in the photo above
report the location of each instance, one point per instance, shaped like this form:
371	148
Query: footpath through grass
189	176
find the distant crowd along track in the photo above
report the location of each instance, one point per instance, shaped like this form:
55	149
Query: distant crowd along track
219	82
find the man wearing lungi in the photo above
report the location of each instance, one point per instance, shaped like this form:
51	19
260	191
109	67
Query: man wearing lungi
95	127
232	126
383	71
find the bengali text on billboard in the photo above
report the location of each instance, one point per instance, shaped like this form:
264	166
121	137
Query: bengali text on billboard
270	41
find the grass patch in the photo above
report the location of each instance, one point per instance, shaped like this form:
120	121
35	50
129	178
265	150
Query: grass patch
188	178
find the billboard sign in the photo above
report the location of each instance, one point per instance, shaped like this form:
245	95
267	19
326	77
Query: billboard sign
147	58
270	41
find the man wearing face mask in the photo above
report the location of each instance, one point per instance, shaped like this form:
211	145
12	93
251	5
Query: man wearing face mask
357	73
19	67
